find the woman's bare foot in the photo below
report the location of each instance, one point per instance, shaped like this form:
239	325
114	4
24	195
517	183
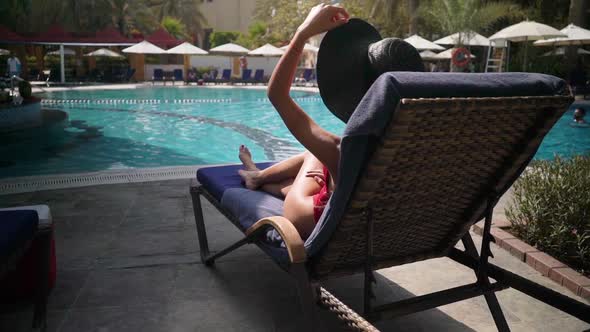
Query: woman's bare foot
251	178
246	159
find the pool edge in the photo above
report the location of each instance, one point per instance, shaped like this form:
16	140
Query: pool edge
25	184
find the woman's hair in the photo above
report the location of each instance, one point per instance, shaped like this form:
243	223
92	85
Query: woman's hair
579	113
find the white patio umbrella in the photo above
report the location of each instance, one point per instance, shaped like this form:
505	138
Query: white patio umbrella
422	44
104	52
230	49
448	54
144	47
308	47
267	50
526	31
67	51
4	52
188	49
428	55
575	36
467	38
561	51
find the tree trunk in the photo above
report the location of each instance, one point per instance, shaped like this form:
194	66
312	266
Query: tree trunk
578	12
413	12
577	16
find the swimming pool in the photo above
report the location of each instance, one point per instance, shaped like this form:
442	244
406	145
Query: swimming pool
167	126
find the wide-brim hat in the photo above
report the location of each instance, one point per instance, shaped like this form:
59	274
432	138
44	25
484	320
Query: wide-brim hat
350	59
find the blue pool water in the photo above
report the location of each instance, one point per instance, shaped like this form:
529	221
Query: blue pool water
153	127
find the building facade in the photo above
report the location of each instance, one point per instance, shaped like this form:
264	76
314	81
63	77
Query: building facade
228	15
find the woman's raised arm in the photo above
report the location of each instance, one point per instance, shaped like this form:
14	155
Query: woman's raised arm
323	144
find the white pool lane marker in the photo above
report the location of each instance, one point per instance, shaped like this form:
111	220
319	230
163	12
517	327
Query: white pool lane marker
161	101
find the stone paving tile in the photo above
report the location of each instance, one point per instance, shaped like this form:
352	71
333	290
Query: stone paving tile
215	315
68	285
128	260
80	241
127	287
55	319
157	241
147	318
15	200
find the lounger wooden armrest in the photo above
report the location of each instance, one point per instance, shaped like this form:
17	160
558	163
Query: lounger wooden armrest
288	232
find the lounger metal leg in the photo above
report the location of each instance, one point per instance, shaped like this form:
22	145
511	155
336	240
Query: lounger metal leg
210	259
369	279
557	300
40	311
490	297
200	223
307	295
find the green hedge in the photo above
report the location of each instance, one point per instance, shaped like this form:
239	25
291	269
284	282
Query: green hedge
551	209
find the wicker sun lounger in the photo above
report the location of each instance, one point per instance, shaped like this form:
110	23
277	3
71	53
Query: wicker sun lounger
415	174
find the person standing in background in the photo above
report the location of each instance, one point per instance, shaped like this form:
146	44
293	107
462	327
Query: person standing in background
13	65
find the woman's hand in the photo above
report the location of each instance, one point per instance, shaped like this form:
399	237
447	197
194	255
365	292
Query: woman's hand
318	176
322	18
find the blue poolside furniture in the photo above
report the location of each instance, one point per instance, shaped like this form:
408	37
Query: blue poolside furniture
177	76
225	76
307	74
259	76
158	76
246	76
128	74
306	77
423	157
25	242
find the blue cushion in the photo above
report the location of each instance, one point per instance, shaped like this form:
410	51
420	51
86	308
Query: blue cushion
220	178
16	228
247	206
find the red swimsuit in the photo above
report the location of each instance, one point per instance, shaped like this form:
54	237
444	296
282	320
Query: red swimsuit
321	198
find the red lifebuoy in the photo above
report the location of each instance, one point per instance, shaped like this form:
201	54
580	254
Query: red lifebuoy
461	57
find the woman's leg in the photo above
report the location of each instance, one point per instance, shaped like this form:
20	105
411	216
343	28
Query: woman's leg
276	179
298	207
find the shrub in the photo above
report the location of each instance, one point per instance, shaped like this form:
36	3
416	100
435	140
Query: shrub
24	89
223	37
551	209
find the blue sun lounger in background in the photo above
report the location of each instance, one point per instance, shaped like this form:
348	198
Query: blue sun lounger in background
259	76
158	76
225	76
177	76
246	77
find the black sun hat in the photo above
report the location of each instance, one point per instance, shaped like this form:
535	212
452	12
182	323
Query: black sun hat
350	59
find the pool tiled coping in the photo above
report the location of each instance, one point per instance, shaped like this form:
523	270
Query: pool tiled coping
540	261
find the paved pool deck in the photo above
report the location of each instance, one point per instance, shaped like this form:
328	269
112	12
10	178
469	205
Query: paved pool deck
128	260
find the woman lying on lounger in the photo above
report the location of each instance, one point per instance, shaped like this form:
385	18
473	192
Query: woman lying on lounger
307	180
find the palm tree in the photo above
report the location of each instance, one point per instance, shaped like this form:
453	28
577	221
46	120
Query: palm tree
14	13
452	16
388	9
187	11
578	11
127	15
